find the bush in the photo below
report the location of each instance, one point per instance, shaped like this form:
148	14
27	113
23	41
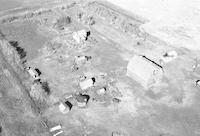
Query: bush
2	36
62	22
19	50
45	86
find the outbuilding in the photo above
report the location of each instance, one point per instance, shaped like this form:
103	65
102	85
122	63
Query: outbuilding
65	106
198	83
55	128
144	70
101	91
168	56
33	73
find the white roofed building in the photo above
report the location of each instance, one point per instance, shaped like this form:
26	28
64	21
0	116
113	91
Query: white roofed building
33	73
87	83
101	91
80	36
65	106
144	71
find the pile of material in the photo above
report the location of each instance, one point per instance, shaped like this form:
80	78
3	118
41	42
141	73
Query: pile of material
57	130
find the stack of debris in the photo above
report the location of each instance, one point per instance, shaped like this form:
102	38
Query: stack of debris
57	130
89	20
79	61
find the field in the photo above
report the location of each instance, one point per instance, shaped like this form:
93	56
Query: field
174	21
168	108
9	4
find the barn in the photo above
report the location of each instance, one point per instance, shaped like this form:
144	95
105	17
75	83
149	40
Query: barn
144	70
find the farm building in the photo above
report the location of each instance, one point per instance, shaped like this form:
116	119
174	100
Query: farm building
34	73
81	36
101	91
87	83
65	106
144	70
82	99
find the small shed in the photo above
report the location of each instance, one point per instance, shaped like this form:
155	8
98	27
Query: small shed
144	70
168	56
101	91
87	83
65	106
33	73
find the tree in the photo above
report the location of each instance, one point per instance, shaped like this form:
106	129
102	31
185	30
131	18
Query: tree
2	36
19	49
45	87
62	22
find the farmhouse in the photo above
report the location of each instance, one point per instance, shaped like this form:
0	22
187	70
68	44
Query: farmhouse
87	83
101	91
144	70
81	36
